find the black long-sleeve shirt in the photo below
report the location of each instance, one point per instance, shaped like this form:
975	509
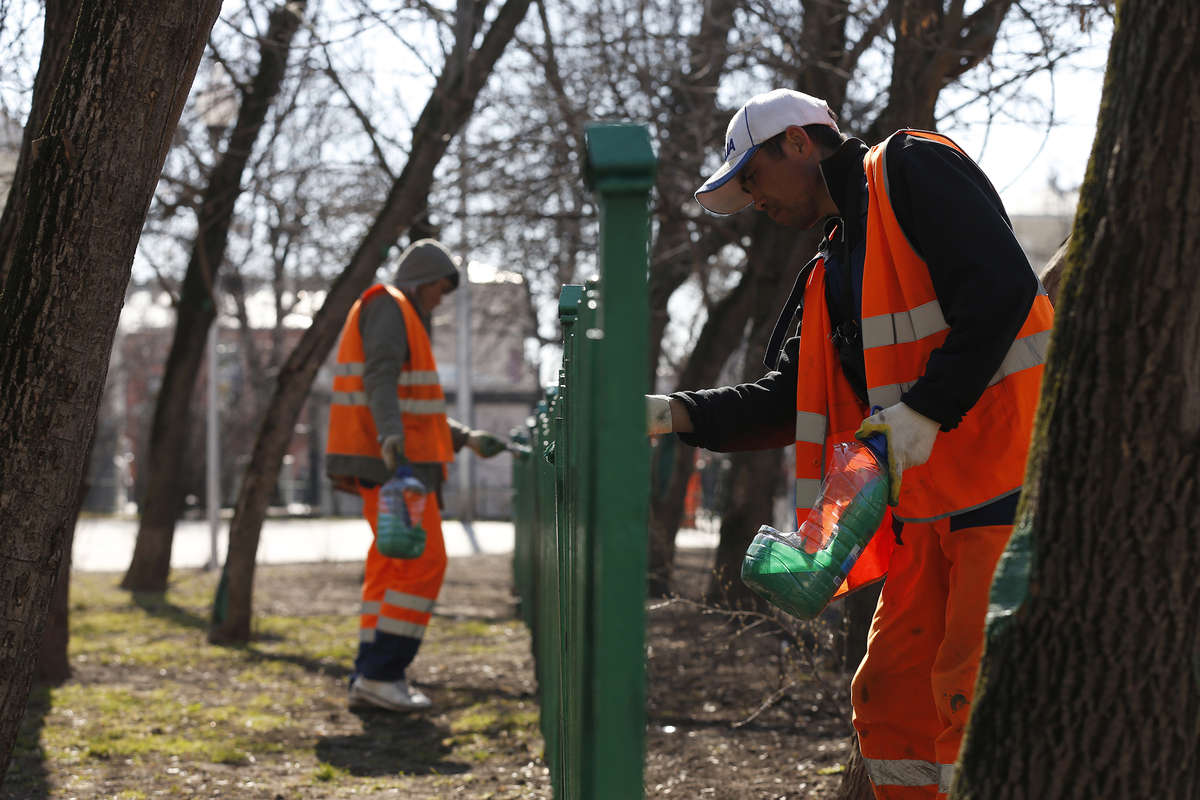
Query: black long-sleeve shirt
955	221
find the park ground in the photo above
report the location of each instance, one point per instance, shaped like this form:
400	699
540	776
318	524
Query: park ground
153	710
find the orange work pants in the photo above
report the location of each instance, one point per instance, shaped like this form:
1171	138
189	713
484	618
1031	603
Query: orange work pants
912	693
398	596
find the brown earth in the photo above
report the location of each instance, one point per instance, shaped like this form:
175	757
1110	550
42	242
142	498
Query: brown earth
738	706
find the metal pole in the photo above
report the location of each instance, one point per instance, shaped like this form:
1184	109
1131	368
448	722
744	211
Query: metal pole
464	403
212	449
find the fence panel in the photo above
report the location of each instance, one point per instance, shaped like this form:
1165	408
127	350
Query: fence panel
582	498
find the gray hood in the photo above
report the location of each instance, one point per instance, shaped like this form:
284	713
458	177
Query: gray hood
423	262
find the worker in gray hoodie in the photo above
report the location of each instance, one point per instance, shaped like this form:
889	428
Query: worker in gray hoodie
388	409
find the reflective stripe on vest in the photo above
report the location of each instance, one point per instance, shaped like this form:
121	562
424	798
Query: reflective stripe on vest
909	772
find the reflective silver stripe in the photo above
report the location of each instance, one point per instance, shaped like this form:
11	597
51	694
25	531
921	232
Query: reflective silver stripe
409	601
370	607
810	427
419	377
1026	352
957	511
412	377
902	772
904	326
399	627
410	406
945	777
349	398
806	492
407	405
366	635
884	396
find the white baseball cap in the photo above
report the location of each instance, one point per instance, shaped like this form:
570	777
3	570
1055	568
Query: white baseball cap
762	117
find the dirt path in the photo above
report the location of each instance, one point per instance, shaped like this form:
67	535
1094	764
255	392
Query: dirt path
155	711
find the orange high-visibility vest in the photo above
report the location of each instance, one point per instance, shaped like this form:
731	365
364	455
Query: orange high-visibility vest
352	432
981	460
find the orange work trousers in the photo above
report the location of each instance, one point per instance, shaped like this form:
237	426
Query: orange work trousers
913	691
398	596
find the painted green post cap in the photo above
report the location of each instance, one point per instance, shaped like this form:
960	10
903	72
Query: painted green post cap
620	157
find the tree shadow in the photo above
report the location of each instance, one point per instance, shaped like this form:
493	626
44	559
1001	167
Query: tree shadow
391	743
157	605
27	777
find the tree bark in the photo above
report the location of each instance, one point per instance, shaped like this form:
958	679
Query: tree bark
447	110
56	40
1089	684
53	663
87	186
170	431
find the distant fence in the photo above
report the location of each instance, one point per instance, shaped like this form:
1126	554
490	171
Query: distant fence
581	499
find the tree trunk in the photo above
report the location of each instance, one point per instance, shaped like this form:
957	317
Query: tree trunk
691	129
824	42
758	477
53	663
88	183
856	783
933	45
447	110
56	40
173	423
1089	685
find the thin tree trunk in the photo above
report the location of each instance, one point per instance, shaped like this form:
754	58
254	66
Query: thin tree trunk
53	663
757	478
56	41
856	783
447	110
172	425
1089	685
88	183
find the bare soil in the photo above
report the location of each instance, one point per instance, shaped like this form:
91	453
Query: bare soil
738	706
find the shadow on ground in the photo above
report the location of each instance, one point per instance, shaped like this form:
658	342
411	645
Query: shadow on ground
390	744
27	777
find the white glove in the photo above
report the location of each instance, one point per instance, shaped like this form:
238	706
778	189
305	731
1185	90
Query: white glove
391	450
909	437
658	414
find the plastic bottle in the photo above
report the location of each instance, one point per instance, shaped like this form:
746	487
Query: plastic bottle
800	571
402	500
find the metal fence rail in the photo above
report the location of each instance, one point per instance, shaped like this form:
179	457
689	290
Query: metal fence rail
581	499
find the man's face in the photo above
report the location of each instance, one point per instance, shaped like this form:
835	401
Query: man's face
429	295
790	189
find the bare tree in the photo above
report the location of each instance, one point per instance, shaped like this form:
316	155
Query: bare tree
196	309
86	185
1096	606
465	70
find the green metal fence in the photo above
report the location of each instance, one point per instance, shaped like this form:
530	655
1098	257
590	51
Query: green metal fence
582	498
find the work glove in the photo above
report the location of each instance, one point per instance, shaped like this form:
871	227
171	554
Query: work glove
391	450
658	415
909	440
485	445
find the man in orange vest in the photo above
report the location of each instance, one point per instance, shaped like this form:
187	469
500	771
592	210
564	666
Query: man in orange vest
388	409
919	303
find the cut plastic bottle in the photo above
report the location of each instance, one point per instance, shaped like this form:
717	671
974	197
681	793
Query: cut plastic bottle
800	571
402	501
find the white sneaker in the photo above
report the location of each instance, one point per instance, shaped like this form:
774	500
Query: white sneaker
392	695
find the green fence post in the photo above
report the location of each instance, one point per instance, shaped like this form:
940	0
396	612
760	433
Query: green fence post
613	525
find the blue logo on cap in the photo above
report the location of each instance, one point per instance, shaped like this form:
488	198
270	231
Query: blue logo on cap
729	147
